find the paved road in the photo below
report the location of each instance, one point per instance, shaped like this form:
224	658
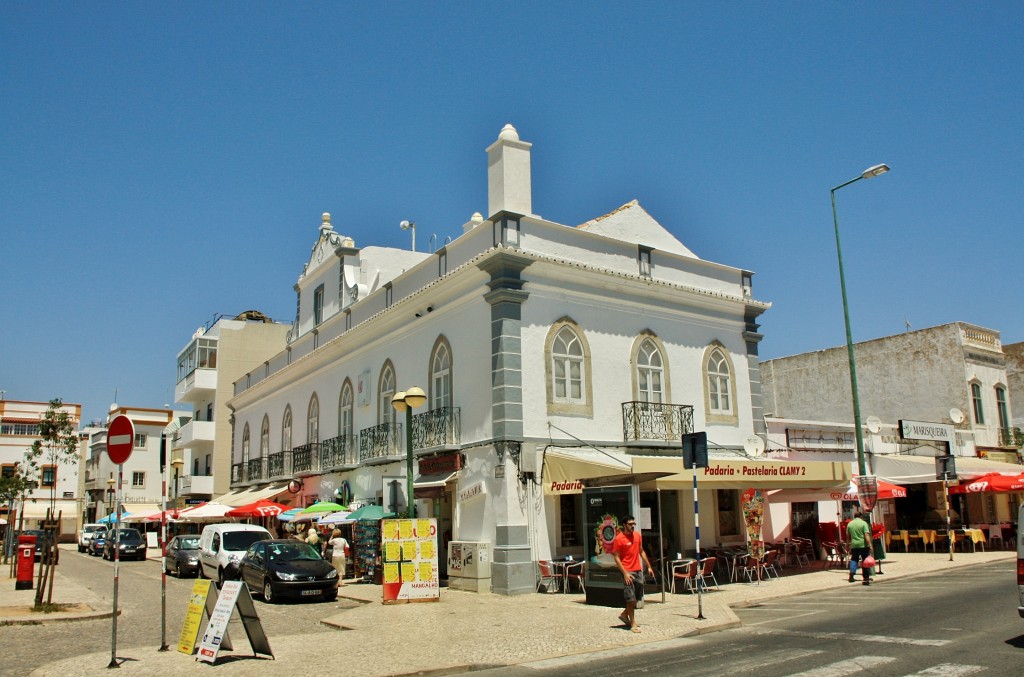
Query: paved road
938	625
28	647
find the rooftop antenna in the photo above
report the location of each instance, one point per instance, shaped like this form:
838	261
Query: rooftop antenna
906	322
2	393
410	225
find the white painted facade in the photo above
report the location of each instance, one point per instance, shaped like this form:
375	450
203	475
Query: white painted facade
495	298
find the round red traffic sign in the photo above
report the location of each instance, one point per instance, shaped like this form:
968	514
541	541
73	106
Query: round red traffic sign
120	439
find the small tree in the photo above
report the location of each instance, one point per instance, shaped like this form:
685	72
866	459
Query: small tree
12	488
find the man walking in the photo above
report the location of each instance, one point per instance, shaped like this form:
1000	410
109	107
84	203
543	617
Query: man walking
858	534
631	560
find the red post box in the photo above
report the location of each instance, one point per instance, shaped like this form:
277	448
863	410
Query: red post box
26	562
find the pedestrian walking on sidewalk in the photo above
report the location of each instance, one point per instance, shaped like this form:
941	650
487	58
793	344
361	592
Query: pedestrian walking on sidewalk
858	534
632	562
339	552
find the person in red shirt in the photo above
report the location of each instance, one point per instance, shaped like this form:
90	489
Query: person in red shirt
631	560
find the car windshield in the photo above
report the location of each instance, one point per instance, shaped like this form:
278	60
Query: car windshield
191	543
130	535
93	529
241	540
288	552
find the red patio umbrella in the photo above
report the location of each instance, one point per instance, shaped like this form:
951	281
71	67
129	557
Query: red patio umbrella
260	508
991	483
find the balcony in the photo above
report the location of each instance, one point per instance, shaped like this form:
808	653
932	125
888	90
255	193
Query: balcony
437	428
339	453
255	469
237	473
1011	437
654	421
192	485
196	434
306	459
199	385
379	444
279	465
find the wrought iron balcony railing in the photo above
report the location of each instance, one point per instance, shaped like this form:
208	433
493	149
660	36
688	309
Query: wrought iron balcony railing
306	458
655	421
436	428
255	469
380	441
1011	437
338	452
279	464
237	473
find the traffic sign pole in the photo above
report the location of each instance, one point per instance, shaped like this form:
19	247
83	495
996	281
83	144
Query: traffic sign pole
117	561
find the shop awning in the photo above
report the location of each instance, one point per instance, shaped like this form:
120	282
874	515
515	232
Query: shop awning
432	485
565	469
745	473
138	512
239	498
37	509
902	469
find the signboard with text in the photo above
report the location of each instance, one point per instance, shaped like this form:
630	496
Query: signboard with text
409	554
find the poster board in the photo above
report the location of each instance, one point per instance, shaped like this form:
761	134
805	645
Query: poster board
233	594
193	616
409	556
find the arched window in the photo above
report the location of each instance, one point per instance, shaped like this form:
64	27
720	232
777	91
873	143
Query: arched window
567	363
385	412
719	386
345	403
979	410
441	376
286	429
1004	414
313	421
265	437
649	372
245	444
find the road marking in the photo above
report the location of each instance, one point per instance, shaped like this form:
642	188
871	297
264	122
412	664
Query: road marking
789	617
858	638
847	667
948	670
568	661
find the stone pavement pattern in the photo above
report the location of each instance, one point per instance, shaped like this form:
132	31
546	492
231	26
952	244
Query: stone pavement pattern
468	629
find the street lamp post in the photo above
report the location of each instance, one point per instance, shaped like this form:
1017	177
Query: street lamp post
110	495
868	173
406	401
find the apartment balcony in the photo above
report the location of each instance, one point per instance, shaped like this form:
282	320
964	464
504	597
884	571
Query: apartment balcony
279	465
437	428
195	485
306	459
196	434
256	469
237	474
339	453
199	385
1011	437
379	444
655	421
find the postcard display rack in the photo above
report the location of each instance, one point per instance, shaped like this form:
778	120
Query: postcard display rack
367	550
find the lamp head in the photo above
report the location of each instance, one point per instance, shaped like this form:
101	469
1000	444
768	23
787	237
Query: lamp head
406	225
872	172
398	401
415	397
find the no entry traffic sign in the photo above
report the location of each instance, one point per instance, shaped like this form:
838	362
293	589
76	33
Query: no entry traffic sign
120	439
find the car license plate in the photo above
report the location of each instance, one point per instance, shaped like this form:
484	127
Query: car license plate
310	592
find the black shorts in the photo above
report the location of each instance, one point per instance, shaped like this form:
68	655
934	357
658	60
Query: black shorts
634	592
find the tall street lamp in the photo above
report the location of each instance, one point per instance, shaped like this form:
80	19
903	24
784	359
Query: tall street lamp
868	173
110	494
407	401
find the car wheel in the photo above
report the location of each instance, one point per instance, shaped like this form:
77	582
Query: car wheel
220	578
268	593
177	569
80	548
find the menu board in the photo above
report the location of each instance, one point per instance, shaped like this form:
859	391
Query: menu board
409	554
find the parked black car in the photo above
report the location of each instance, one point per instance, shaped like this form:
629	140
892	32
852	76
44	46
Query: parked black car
132	544
183	555
288	568
41	541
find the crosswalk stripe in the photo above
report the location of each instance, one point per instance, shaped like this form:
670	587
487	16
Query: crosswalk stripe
884	639
598	656
847	667
948	670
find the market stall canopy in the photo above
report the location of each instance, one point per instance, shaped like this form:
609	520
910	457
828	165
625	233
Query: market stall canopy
905	469
205	512
261	508
289	515
111	518
341	517
141	512
369	513
746	473
992	483
321	507
886	491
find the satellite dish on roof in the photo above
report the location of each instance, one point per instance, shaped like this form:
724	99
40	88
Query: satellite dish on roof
956	415
874	424
753	445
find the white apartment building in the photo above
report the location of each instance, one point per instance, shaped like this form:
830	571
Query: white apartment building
209	364
548	353
19	429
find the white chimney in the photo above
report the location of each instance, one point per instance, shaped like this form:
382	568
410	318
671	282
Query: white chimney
508	174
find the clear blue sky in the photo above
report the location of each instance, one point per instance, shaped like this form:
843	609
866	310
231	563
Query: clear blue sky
161	163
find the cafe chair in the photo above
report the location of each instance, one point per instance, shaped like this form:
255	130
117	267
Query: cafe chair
550	579
833	556
767	565
686	572
707	571
995	533
575	571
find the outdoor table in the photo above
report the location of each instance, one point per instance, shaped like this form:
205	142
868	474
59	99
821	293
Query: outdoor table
900	536
976	536
928	537
561	567
912	536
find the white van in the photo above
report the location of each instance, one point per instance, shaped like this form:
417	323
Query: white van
221	546
1020	561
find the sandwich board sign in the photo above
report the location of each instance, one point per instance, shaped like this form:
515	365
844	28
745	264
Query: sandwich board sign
233	595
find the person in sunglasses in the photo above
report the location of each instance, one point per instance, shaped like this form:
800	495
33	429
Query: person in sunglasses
632	562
